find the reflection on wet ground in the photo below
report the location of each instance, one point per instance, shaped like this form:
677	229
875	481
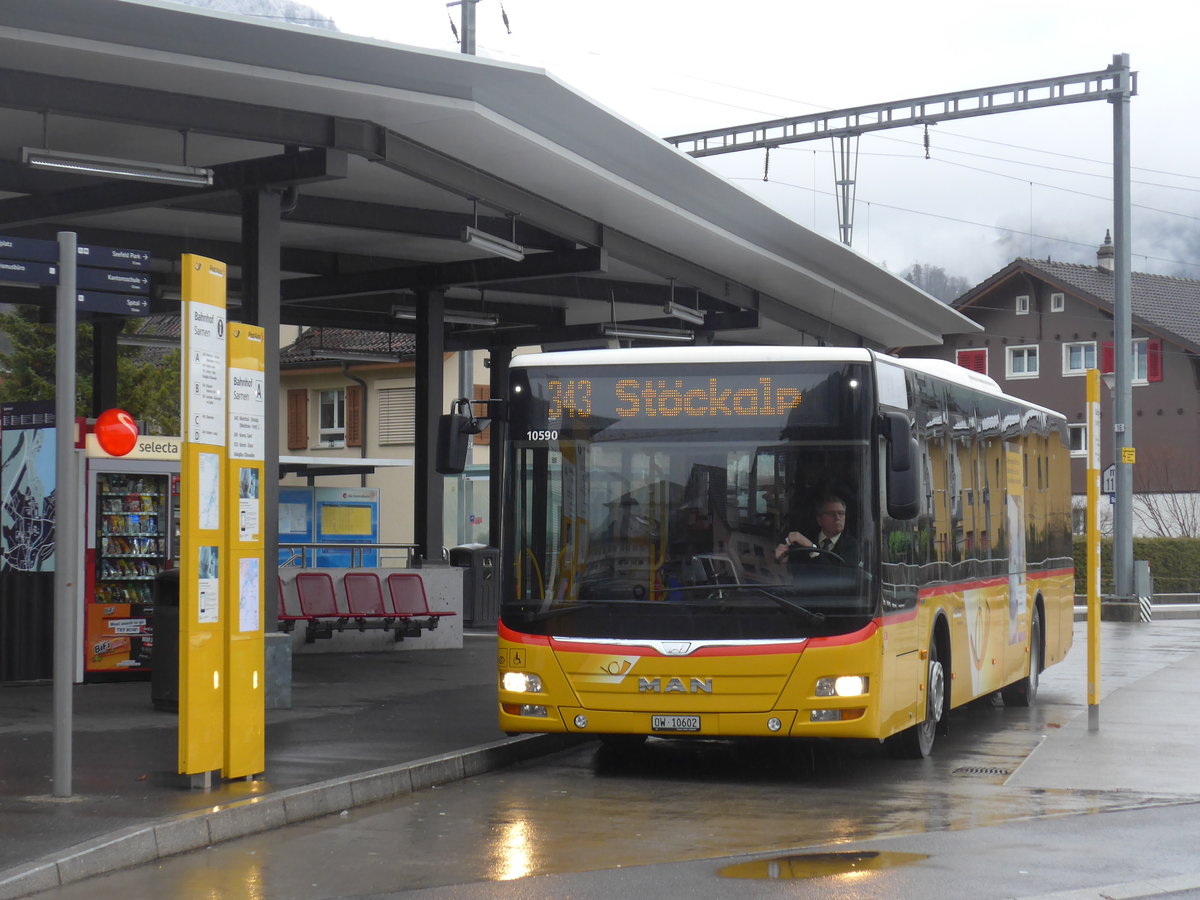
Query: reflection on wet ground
672	800
813	865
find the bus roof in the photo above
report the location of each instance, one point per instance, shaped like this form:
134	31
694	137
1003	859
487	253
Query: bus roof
945	370
717	353
941	369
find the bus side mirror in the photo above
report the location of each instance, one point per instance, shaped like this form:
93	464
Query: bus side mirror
903	475
452	433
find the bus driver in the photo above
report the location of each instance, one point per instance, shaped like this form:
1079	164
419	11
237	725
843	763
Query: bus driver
832	545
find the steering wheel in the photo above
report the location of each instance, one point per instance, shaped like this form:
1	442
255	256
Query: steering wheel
794	550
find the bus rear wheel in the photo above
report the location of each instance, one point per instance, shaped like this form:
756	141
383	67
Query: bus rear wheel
1024	692
917	742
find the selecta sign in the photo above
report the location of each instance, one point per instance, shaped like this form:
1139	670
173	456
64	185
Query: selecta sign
116	432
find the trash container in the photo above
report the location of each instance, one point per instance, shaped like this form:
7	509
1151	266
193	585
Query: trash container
164	655
481	582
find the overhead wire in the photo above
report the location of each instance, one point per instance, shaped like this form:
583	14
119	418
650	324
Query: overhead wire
1017	232
924	146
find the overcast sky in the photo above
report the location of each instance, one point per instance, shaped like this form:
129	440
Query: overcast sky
1033	183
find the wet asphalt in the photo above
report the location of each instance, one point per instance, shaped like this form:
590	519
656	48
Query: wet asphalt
1115	811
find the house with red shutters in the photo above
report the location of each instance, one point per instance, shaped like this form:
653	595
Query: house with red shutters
1046	323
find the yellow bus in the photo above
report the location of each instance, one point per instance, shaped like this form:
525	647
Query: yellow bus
665	571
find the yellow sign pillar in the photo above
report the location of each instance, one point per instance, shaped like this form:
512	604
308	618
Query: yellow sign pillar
245	697
1093	547
202	568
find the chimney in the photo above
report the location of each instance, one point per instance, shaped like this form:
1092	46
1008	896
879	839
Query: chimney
1106	255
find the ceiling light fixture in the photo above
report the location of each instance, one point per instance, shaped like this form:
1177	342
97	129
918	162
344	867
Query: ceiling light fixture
489	243
136	170
456	316
684	313
647	333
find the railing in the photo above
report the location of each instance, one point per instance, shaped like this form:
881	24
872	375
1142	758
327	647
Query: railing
305	555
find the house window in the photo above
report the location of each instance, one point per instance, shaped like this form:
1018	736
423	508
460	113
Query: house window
1078	357
1022	304
1141	359
1058	302
331	431
975	360
1023	362
1079	439
1145	357
397	416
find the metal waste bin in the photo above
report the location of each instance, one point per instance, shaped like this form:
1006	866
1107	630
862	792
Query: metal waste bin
481	582
164	653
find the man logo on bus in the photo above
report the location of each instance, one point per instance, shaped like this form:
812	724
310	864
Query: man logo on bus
675	686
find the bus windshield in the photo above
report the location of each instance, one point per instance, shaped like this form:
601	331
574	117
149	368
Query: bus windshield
639	513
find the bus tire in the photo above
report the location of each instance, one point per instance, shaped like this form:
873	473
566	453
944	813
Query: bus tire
916	742
1024	692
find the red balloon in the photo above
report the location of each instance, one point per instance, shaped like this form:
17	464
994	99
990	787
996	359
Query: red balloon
116	432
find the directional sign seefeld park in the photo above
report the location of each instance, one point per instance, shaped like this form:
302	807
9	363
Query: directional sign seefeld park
109	280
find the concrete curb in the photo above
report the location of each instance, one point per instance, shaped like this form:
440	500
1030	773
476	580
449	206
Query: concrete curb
1130	890
1162	611
140	844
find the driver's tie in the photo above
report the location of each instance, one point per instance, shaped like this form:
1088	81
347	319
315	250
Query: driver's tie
826	544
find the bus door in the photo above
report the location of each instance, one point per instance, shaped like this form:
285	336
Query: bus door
1016	464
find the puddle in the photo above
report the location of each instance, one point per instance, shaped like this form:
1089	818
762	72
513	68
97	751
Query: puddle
812	865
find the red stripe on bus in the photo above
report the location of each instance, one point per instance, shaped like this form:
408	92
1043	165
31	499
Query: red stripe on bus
853	637
515	637
599	647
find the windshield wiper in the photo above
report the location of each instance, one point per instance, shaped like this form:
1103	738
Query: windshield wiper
809	616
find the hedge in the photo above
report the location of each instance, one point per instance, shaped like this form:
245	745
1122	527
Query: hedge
1174	564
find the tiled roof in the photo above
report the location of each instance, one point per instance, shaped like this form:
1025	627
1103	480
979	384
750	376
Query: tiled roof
1170	304
165	327
323	345
159	325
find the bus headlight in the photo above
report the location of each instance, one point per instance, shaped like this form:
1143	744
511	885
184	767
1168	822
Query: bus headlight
842	686
521	683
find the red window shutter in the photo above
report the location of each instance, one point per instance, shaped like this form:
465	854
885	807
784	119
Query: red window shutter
482	392
975	360
1154	360
354	416
1107	359
297	421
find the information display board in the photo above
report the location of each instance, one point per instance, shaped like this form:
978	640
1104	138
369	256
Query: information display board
201	566
245	700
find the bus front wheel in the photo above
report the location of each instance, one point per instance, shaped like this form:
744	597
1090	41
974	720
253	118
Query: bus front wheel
917	742
1024	692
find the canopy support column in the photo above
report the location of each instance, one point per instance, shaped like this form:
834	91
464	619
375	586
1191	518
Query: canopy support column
260	306
428	530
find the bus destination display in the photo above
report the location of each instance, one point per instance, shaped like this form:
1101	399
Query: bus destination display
630	398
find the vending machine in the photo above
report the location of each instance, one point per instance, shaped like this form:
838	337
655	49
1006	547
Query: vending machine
132	529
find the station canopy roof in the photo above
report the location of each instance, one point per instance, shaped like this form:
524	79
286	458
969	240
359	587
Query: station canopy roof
384	155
